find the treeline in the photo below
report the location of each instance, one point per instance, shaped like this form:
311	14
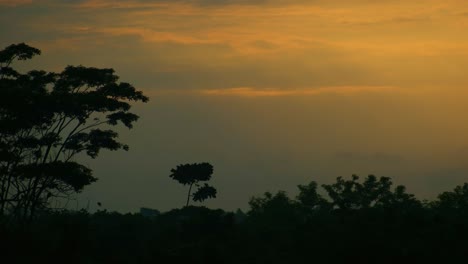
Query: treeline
367	221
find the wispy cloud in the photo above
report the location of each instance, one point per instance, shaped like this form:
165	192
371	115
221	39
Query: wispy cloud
274	44
341	90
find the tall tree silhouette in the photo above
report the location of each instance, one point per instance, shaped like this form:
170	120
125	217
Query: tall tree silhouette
48	118
193	174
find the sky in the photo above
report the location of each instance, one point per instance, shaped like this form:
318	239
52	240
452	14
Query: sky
273	93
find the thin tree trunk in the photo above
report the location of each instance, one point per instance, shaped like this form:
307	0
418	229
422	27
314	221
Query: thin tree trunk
188	196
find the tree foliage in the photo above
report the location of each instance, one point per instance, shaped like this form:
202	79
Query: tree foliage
373	192
309	197
456	200
343	195
46	120
193	174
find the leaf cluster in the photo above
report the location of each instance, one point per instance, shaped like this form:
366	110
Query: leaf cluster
188	174
193	174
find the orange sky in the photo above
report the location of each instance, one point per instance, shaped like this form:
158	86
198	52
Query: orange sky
273	92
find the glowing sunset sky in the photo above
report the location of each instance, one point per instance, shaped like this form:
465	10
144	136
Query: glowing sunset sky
273	93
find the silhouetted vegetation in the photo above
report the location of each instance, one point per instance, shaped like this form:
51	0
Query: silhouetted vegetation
48	118
193	174
367	222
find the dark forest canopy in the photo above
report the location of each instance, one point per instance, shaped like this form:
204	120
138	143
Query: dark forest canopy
365	221
46	120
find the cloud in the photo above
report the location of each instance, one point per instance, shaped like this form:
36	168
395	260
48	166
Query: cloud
340	90
221	3
182	45
202	3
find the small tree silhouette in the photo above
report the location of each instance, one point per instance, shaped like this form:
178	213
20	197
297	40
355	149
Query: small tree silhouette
193	174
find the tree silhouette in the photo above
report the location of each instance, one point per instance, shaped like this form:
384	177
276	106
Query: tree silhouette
272	207
454	200
309	198
193	174
373	192
48	118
